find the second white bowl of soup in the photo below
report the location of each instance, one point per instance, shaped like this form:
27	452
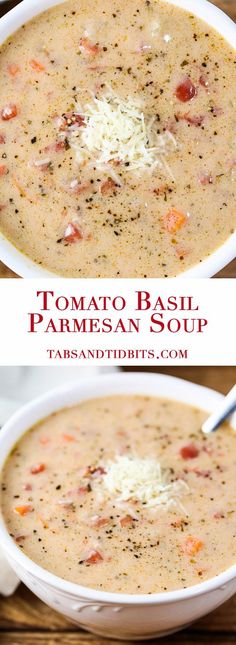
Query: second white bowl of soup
118	156
116	510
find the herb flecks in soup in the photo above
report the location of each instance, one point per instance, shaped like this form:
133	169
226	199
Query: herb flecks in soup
124	494
117	134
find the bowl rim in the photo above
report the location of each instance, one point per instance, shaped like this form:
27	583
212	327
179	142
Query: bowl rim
131	383
23	265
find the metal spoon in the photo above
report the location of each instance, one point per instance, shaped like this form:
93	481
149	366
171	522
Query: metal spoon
225	409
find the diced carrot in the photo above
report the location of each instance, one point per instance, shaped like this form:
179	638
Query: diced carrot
37	468
13	69
68	437
87	47
43	521
23	192
109	186
189	452
192	545
23	510
36	65
3	170
93	558
174	220
9	112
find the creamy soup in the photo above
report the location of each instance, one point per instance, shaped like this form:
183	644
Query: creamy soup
124	494
117	139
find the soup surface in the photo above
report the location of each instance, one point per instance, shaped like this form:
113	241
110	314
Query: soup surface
117	138
124	494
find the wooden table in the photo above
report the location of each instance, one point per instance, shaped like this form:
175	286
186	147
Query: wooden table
25	620
230	7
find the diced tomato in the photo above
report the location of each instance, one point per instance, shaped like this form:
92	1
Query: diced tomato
161	190
127	521
2	138
57	146
189	452
97	472
69	120
83	489
72	233
204	82
178	524
208	450
66	503
42	164
216	111
13	69
20	538
68	437
181	252
109	186
186	91
206	179
144	47
88	48
202	473
219	515
192	545
174	220
9	112
37	66
93	558
44	441
77	188
192	120
3	170
23	510
26	487
97	521
37	468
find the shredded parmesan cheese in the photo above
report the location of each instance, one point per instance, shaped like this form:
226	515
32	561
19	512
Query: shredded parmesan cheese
132	478
116	130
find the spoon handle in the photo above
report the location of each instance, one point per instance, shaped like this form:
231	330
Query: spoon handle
225	409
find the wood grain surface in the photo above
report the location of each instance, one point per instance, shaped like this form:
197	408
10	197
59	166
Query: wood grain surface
227	5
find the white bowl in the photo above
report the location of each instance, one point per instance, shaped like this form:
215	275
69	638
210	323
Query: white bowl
121	616
15	259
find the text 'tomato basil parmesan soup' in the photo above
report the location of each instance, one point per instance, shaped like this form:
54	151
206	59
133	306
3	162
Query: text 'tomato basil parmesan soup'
124	494
117	139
